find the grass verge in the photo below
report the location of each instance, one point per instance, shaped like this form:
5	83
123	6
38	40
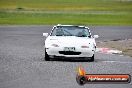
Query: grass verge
40	18
89	12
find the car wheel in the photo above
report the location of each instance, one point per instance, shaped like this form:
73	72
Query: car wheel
47	58
92	58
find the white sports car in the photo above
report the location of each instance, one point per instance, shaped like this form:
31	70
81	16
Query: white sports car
70	41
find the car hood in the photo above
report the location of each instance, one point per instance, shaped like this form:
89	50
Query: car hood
69	40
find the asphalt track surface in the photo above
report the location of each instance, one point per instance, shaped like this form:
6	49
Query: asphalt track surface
22	62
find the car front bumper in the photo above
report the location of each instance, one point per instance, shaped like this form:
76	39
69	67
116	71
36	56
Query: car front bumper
80	52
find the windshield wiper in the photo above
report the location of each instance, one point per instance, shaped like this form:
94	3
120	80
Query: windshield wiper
81	36
68	35
59	35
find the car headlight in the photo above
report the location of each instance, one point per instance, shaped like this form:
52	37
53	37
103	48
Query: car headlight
55	45
84	46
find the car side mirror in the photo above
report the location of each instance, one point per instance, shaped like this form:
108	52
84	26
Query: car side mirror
45	34
96	36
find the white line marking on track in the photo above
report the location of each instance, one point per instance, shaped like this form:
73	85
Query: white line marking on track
116	61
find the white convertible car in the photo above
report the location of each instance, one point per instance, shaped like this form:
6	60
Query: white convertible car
69	41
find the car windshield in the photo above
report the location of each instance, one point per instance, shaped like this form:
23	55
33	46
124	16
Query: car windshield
70	31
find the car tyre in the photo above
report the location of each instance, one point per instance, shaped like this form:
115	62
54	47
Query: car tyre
47	58
92	58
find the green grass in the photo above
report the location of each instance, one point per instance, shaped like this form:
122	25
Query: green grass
87	12
85	5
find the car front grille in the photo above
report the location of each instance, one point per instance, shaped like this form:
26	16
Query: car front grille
69	53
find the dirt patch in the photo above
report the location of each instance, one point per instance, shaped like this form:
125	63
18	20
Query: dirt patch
124	45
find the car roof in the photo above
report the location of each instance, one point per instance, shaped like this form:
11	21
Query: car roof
60	25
